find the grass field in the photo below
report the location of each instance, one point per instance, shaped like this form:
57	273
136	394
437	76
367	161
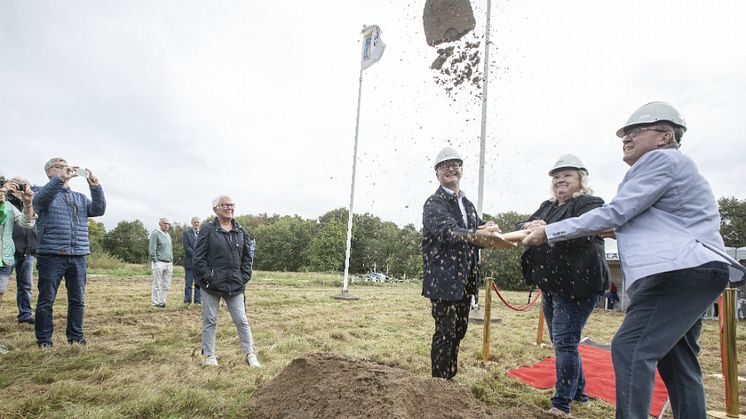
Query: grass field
144	362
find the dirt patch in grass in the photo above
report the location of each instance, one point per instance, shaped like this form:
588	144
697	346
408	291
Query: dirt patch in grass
327	385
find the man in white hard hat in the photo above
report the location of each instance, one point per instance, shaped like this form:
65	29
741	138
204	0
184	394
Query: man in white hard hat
673	258
450	225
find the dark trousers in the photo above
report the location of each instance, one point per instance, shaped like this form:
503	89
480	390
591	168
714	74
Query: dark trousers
51	271
189	282
451	320
661	329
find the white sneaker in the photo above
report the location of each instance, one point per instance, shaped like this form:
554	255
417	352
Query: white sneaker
211	361
252	361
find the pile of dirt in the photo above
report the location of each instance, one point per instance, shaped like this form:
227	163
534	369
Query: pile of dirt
324	385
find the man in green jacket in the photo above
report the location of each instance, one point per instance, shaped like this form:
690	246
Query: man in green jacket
162	262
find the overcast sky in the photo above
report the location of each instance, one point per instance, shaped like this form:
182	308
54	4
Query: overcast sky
171	103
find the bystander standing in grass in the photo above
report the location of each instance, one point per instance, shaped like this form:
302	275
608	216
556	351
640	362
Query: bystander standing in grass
10	216
189	239
25	243
162	262
63	246
222	264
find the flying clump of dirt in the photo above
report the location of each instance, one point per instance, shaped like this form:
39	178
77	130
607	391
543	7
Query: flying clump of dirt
457	65
326	385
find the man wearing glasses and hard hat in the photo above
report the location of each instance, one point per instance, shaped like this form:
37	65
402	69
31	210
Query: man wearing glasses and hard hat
450	224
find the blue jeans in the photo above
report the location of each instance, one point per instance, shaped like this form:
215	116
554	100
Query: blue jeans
24	282
51	269
565	320
188	284
661	329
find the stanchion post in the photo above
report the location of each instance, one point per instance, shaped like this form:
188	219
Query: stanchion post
728	358
540	329
487	319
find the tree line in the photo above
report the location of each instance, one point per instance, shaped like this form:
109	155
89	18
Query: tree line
294	244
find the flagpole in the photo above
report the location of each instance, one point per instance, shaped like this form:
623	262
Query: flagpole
476	313
345	295
483	136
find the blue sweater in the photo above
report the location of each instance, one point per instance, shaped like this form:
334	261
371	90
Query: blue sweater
63	218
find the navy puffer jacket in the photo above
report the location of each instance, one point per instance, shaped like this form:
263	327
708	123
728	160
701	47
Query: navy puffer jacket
62	225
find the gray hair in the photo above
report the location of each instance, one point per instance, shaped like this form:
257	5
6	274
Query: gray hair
195	219
164	220
51	162
216	201
676	132
583	190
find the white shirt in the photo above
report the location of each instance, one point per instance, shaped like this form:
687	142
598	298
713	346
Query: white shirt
460	199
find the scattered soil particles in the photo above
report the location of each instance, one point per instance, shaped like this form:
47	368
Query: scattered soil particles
327	385
458	68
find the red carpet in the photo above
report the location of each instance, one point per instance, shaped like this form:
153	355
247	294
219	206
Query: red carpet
599	377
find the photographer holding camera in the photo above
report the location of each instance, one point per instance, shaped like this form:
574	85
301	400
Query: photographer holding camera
25	243
9	217
63	246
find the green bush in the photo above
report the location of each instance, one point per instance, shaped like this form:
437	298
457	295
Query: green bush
101	259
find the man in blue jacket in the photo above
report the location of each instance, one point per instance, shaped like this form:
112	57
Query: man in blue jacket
450	224
673	259
62	246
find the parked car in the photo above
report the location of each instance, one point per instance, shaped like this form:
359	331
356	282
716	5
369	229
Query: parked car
372	277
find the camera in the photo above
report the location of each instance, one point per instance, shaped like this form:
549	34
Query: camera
82	172
2	183
21	187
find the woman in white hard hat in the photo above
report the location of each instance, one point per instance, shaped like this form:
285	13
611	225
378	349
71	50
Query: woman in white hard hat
571	276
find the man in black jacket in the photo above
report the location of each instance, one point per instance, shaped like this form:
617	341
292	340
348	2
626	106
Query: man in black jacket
450	224
189	240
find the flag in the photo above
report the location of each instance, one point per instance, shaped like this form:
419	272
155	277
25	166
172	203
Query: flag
373	46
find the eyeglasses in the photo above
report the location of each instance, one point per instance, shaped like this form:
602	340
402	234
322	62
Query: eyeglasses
59	166
449	165
227	206
639	130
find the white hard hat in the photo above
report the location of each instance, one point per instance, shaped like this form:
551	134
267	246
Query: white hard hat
651	113
447	153
568	161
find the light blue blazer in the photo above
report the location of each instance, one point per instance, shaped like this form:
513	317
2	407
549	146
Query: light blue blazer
666	218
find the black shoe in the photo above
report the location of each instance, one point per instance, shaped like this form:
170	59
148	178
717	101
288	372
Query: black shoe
45	345
30	320
161	305
79	342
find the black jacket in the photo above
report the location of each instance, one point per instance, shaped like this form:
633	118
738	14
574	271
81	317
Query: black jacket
188	240
222	261
449	262
574	268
